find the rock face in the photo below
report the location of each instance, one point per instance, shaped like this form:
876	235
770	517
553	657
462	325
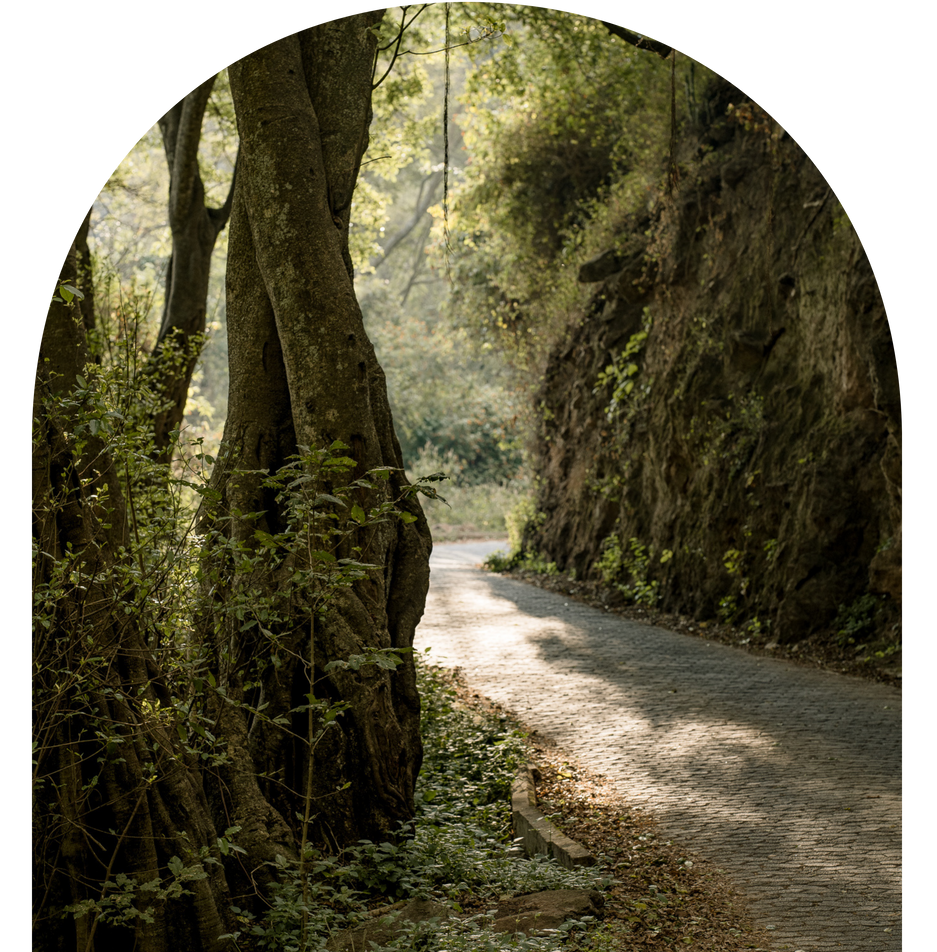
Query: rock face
721	431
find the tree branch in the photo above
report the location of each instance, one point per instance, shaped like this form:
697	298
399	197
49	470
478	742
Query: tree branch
417	264
404	26
424	201
636	40
181	135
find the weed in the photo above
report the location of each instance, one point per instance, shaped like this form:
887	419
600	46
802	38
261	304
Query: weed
728	609
525	561
621	373
614	562
756	627
855	622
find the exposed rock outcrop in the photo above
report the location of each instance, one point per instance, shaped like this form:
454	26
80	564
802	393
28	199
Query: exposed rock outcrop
722	429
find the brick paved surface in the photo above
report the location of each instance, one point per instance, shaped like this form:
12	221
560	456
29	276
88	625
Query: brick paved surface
787	777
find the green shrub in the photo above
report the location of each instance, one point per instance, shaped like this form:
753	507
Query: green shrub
614	563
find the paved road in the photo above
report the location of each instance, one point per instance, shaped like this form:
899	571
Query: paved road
787	777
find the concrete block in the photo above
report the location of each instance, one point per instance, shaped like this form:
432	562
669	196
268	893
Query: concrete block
539	834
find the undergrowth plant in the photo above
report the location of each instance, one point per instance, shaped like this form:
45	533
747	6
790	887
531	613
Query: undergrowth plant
456	848
132	630
114	598
615	562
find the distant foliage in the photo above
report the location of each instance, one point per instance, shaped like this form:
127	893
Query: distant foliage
543	156
444	396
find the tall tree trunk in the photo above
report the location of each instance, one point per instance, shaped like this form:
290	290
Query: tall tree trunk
303	374
115	793
195	228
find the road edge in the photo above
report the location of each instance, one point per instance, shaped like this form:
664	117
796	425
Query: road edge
538	833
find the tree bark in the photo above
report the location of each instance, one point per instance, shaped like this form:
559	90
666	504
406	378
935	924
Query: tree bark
195	228
114	791
638	41
304	374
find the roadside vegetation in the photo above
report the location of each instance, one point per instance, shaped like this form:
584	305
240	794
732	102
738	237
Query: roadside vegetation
456	852
459	853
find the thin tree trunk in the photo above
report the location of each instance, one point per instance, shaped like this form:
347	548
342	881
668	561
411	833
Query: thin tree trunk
195	228
303	373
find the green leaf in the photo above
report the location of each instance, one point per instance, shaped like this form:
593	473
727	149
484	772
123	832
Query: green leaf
357	513
325	497
407	517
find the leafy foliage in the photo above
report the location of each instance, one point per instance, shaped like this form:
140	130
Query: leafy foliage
455	849
549	162
636	562
156	578
856	622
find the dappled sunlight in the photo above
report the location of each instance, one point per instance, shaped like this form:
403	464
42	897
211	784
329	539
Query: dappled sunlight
782	774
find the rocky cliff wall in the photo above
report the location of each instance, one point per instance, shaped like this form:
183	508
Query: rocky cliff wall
721	431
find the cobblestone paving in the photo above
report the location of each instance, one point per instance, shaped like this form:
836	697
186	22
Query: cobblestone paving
789	778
